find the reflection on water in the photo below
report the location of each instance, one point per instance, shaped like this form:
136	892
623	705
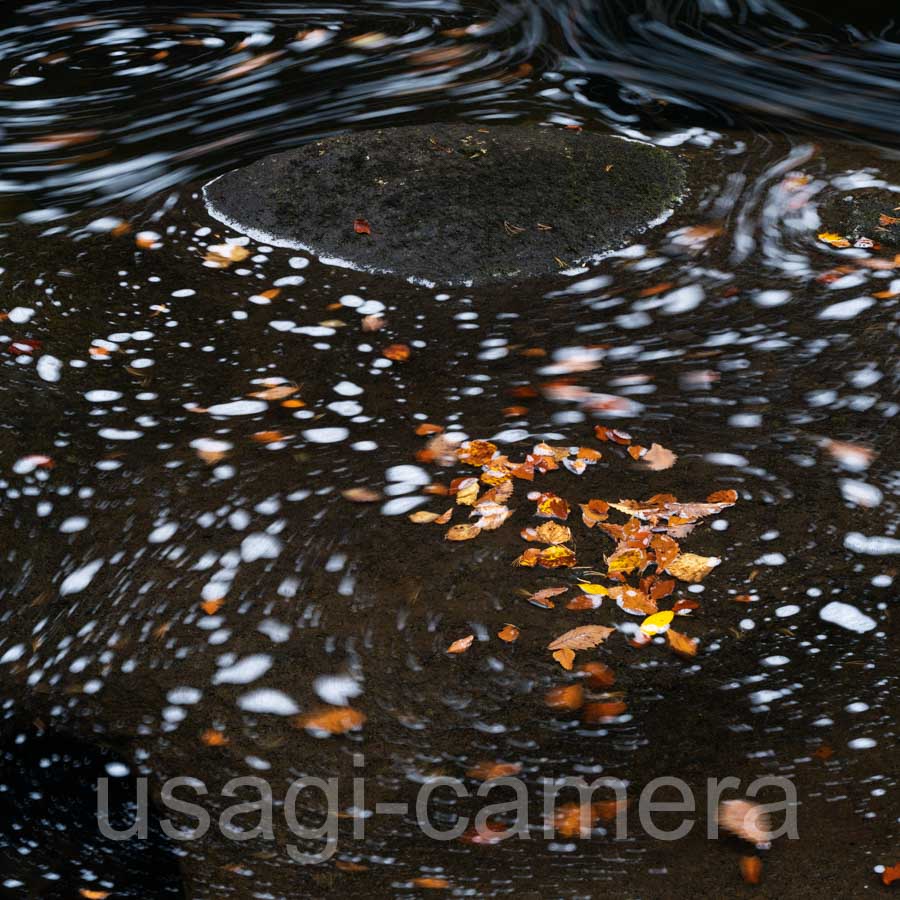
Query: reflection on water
190	420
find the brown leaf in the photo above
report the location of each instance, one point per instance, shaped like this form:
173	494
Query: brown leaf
508	633
493	515
681	643
594	511
488	769
603	711
361	495
582	638
396	352
548	533
462	644
691	567
429	882
633	600
658	458
462	533
599	675
554	557
550	506
568	697
542	597
333	720
565	658
603	433
361	226
373	322
477	453
751	869
444	518
278	392
422	517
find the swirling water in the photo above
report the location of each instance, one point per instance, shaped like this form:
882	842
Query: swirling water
180	560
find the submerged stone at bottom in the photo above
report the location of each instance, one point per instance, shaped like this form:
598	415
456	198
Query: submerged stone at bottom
453	204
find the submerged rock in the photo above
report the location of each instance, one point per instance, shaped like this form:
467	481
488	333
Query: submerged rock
453	204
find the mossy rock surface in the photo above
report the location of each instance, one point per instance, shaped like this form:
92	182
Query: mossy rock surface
453	204
872	213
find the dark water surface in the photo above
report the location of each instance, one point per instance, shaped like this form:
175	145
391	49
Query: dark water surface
182	574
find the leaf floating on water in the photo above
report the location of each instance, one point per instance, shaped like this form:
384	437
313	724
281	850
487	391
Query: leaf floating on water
691	567
361	226
493	515
890	874
554	557
213	738
751	869
396	352
747	820
602	433
444	518
594	511
373	322
568	697
489	769
423	517
658	458
548	533
91	894
221	256
476	453
683	607
462	644
626	560
462	533
599	589
632	600
658	623
508	633
466	491
549	506
599	675
332	720
428	428
603	712
582	638
565	658
361	495
277	392
681	643
834	239
542	597
429	882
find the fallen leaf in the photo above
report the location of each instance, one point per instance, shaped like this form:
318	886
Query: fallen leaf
361	226
746	820
278	392
90	894
462	533
835	240
422	517
267	437
466	491
550	506
751	869
636	451
683	607
594	511
603	712
332	720
508	633
489	769
493	515
444	518
888	220
361	495
568	697
428	428
211	607
221	256
430	883
373	322
542	597
681	643
658	623
658	458
587	588
554	557
602	433
396	352
548	533
583	602
691	567
565	658
582	638
213	738
626	560
632	600
346	866
891	874
476	453
599	675
462	644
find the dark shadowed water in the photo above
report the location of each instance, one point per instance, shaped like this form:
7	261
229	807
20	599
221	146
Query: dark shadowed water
183	575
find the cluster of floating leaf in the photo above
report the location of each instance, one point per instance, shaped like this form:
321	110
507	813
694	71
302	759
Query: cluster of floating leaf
644	564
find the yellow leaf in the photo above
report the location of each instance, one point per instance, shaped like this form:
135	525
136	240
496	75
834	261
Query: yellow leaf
658	623
422	517
462	533
467	493
691	567
593	588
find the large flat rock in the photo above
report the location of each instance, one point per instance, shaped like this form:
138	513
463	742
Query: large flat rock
453	204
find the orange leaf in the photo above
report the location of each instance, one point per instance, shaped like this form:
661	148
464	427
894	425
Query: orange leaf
599	712
89	894
508	633
542	598
636	451
751	869
476	453
462	644
396	352
428	428
433	883
361	495
213	738
681	643
555	557
462	533
888	220
211	607
488	769
361	226
333	720
581	638
278	392
567	697
598	674
891	874
549	506
603	433
565	658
